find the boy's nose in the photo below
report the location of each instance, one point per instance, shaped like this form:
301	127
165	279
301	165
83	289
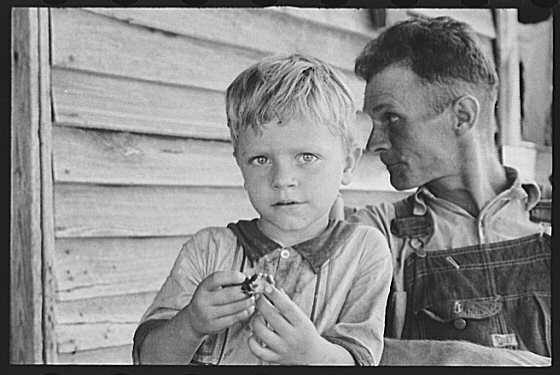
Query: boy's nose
378	140
283	176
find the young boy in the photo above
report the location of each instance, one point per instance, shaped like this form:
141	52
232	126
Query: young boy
290	122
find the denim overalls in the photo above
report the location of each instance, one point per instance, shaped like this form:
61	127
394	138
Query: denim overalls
495	294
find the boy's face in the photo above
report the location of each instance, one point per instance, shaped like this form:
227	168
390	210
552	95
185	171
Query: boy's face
292	174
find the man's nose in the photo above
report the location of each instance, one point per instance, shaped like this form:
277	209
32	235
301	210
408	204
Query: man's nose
378	140
283	176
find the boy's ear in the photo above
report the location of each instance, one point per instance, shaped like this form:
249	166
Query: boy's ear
351	163
466	110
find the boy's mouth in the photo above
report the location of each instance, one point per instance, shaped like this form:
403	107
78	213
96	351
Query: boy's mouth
286	203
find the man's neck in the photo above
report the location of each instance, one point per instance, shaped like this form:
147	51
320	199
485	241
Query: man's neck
482	178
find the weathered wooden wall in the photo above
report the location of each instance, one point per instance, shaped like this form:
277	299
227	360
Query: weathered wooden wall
140	151
26	294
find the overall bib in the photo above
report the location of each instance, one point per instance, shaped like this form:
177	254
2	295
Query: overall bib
496	294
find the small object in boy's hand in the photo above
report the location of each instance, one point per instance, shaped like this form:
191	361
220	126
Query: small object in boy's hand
256	283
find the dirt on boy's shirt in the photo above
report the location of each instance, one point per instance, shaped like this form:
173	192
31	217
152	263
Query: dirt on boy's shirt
340	280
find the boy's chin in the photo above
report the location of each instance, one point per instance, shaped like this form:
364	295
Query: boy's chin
292	226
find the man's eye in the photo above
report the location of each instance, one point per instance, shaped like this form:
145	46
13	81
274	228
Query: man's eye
306	157
258	160
392	118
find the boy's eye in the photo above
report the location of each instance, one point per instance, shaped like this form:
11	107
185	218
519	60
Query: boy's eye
306	157
258	160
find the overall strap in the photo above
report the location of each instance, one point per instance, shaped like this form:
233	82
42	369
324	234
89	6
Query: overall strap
406	224
409	228
542	212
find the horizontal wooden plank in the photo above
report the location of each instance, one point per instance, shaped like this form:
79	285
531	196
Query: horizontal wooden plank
116	211
76	337
103	157
348	19
127	308
116	355
107	102
100	319
270	30
123	158
95	267
87	41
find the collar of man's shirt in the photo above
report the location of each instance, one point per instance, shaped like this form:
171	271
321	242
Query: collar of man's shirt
316	250
517	189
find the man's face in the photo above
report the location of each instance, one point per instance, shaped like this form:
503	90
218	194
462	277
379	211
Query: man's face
416	144
292	174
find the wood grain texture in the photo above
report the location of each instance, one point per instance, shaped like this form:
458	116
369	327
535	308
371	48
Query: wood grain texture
281	30
115	211
97	267
101	157
97	318
47	201
116	355
126	308
77	337
88	100
26	345
123	158
87	41
348	19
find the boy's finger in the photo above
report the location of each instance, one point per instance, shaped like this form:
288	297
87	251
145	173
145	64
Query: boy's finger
221	278
264	354
274	318
234	307
228	295
229	320
289	310
265	334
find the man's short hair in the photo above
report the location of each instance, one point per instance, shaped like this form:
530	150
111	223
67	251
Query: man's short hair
284	87
441	51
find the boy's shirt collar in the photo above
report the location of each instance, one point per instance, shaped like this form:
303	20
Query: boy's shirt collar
316	250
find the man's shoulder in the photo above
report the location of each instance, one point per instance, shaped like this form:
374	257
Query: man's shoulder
382	212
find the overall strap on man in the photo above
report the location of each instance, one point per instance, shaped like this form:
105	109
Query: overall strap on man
412	229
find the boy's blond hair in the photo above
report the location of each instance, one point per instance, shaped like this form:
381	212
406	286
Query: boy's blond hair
284	87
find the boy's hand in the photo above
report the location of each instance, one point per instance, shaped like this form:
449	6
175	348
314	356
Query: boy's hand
214	307
290	337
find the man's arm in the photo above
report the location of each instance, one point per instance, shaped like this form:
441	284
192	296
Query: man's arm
172	342
454	353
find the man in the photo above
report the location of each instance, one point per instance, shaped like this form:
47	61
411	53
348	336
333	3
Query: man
471	281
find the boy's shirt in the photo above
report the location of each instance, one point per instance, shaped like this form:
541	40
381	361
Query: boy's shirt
340	280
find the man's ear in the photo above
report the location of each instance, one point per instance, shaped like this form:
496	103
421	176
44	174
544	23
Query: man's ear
351	163
466	110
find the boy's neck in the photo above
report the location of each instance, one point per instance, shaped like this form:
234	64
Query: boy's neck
288	238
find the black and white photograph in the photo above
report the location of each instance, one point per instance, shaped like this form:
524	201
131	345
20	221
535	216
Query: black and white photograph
281	186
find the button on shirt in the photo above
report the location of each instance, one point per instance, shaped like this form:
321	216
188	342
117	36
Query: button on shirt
340	280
